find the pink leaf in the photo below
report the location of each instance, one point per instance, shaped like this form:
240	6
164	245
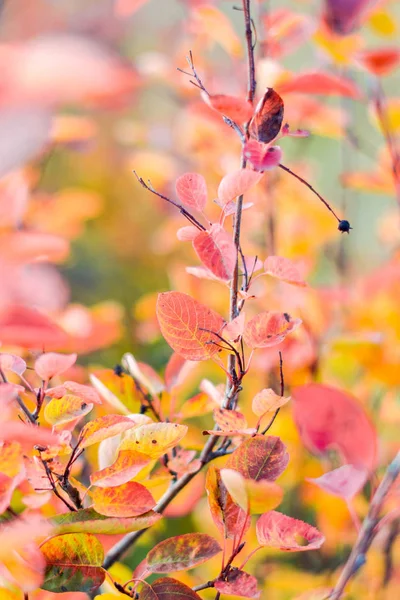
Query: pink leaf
237	109
234	329
191	189
26	327
330	418
346	481
10	362
33	246
262	157
86	392
217	252
238	583
280	531
187	234
326	84
51	364
27	435
283	269
237	183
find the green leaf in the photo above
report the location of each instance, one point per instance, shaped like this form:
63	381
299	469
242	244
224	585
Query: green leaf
167	588
73	563
88	520
182	552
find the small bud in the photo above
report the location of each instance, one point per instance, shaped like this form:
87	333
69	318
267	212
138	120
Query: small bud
344	226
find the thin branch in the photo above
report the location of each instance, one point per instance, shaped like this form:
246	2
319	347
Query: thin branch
310	187
368	529
21	403
282	380
249	24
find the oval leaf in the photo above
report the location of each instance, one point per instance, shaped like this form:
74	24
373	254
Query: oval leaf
237	183
326	84
238	583
50	364
182	552
127	465
267	401
217	252
154	439
128	500
186	324
167	588
103	428
66	409
268	116
87	520
330	418
262	157
227	515
280	531
346	481
260	458
269	329
191	189
237	109
73	563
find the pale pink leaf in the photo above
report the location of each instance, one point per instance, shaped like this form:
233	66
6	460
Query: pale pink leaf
11	362
237	183
234	329
282	268
51	364
191	189
346	481
269	329
187	233
261	156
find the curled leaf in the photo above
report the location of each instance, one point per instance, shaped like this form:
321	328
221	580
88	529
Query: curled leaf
217	252
282	268
290	535
268	116
269	329
51	364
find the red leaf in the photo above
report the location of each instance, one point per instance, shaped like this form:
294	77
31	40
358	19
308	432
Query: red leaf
167	588
26	327
175	371
237	109
380	61
269	329
280	531
268	116
103	428
226	514
27	435
217	252
343	16
330	418
238	583
316	82
51	364
346	481
234	329
262	157
182	552
260	457
237	183
191	189
183	322
283	269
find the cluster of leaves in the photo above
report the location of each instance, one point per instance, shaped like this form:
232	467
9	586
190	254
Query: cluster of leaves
90	461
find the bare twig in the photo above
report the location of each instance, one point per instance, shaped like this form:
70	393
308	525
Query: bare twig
21	403
368	529
282	381
251	89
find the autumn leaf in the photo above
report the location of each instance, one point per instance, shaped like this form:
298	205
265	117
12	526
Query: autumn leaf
318	82
345	482
235	108
73	563
268	116
254	497
230	422
379	61
27	435
290	535
103	428
267	401
128	500
86	392
330	418
261	156
167	588
238	583
187	233
182	552
191	189
344	17
237	183
283	269
28	328
269	329
260	457
66	409
13	363
217	252
154	439
128	464
87	520
186	324
51	364
226	514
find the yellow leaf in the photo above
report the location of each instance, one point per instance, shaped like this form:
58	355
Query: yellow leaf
154	439
66	409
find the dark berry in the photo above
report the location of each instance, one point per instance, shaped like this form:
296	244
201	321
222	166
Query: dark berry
344	226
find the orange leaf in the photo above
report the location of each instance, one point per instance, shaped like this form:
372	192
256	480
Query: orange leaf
217	252
51	364
268	116
33	246
127	465
237	109
280	531
316	82
283	269
267	401
269	329
191	189
186	324
182	552
128	500
260	457
330	418
380	61
237	183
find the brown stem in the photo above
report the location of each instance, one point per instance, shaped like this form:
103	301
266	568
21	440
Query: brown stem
368	529
21	403
251	89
